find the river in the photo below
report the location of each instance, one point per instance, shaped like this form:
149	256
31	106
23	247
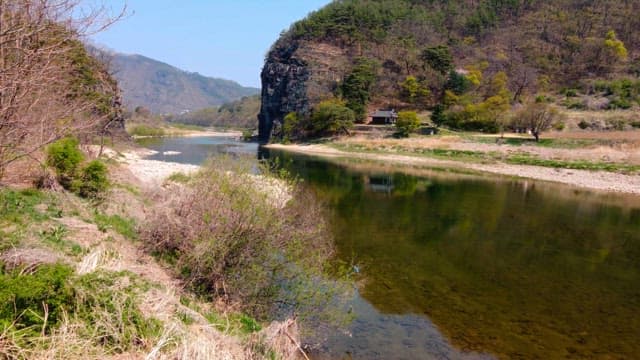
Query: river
462	266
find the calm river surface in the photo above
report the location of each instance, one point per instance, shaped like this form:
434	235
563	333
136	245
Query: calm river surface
455	266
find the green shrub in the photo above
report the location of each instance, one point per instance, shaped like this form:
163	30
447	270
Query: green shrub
635	124
619	103
25	298
93	180
65	157
292	127
437	116
407	122
247	134
332	117
89	181
145	130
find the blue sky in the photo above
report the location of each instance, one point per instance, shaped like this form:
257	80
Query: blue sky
220	38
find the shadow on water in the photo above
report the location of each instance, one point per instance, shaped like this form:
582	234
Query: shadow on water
518	269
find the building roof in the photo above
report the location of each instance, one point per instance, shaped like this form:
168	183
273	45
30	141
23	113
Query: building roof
384	113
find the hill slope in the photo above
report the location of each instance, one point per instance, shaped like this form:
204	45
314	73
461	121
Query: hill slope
416	50
163	88
241	113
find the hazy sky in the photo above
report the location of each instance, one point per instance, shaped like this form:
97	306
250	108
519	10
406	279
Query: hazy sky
220	38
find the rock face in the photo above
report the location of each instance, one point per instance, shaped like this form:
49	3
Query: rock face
296	76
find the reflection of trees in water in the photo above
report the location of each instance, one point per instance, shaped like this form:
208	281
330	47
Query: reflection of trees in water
483	258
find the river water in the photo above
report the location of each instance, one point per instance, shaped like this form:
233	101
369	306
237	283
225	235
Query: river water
462	266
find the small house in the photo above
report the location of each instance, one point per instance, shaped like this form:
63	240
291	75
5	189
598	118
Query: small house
384	117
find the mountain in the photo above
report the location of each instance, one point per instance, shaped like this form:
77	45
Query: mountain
466	59
163	88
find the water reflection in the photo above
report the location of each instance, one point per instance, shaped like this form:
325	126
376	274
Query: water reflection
519	269
457	265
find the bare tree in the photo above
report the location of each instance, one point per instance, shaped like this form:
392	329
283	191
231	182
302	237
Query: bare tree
49	86
537	117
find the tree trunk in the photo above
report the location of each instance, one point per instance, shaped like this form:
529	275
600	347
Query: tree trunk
536	135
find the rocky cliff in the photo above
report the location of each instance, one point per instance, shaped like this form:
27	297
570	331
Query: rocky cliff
297	75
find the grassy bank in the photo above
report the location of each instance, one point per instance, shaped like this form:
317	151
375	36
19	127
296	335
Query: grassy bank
515	158
85	279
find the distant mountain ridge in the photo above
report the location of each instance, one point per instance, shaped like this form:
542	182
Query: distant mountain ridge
165	89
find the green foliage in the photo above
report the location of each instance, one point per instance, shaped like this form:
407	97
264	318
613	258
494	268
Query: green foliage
89	79
55	237
93	180
123	226
65	157
413	91
247	134
407	38
357	85
457	83
179	177
26	298
20	206
438	116
615	46
145	130
292	128
331	117
407	122
622	92
438	58
240	114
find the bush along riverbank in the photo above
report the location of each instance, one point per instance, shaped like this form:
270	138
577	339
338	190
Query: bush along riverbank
195	267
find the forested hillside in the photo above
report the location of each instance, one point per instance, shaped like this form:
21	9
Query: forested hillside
165	89
242	113
469	60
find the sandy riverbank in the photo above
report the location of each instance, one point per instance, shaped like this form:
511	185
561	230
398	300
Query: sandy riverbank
595	180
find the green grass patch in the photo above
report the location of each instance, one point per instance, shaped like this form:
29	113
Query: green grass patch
20	206
19	210
179	177
123	226
478	156
234	324
145	130
445	154
549	143
104	303
56	238
187	127
525	159
133	190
